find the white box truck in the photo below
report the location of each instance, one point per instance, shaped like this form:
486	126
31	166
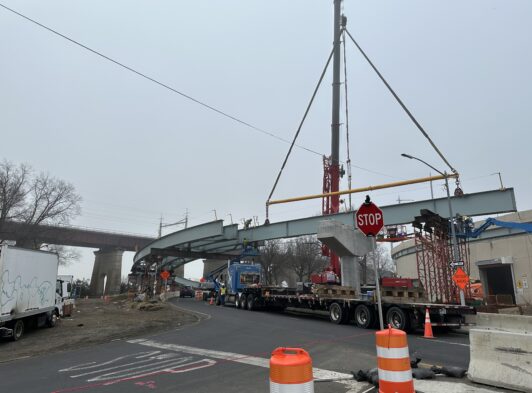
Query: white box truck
29	290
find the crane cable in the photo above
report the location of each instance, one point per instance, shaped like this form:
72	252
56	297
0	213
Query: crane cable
348	161
420	128
299	130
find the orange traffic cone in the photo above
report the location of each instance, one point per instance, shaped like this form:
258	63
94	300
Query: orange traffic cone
428	325
211	302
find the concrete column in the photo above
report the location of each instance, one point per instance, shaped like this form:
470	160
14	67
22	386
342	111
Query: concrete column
180	271
210	264
107	263
350	272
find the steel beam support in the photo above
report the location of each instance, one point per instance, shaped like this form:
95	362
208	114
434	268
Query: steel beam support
189	235
475	204
174	252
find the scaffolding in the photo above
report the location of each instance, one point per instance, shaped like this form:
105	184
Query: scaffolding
434	258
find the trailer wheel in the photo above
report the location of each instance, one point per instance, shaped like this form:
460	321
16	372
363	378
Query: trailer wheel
364	316
337	314
51	319
18	330
398	318
251	302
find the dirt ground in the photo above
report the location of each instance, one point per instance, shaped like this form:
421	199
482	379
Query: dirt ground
94	322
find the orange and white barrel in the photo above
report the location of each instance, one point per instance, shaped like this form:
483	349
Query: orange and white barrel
393	362
291	371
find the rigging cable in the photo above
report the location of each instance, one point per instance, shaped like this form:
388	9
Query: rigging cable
299	128
402	104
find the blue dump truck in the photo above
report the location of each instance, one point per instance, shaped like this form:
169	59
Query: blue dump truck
404	302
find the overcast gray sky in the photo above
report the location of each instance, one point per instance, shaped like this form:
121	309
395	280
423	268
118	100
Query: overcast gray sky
135	151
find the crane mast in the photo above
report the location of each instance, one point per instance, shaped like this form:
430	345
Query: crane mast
331	164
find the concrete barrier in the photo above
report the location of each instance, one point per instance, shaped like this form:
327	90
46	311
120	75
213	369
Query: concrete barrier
169	295
501	351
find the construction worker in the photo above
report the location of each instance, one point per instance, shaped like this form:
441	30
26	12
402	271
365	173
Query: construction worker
222	294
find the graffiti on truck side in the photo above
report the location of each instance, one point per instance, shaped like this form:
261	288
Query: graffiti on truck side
22	296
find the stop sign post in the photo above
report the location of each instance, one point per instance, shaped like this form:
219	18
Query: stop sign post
165	274
370	220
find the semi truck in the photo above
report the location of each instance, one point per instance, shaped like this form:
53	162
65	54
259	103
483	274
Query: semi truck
30	292
403	300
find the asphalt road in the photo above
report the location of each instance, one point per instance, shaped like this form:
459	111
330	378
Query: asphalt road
227	350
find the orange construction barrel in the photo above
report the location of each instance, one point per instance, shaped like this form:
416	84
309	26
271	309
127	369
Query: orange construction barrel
393	362
291	371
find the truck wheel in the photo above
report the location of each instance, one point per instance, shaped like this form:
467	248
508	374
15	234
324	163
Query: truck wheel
51	319
251	302
243	302
398	318
337	314
364	316
18	330
237	300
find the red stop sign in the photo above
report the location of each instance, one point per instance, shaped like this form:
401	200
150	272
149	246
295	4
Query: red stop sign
369	219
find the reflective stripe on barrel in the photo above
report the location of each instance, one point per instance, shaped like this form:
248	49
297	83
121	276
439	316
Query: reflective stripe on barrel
393	362
291	371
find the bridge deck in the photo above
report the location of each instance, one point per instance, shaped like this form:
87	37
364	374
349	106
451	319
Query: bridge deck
214	237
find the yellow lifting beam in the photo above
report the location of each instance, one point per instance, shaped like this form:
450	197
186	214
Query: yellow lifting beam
364	189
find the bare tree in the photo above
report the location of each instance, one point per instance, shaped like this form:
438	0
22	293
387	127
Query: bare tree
34	200
13	190
67	255
385	263
272	255
304	257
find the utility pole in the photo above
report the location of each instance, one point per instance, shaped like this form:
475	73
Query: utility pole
184	221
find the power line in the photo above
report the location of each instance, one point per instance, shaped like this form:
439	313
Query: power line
174	90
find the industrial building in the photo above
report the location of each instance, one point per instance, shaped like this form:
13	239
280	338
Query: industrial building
501	259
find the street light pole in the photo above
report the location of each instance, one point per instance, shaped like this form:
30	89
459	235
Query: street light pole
454	241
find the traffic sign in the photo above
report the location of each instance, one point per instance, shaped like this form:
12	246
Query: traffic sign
461	278
369	218
457	264
165	274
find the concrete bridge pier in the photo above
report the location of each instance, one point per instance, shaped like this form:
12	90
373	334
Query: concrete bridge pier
107	272
349	244
211	264
180	271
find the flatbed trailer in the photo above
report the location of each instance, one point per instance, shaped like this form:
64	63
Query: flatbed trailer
342	305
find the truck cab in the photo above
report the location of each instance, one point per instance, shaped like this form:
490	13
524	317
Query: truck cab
64	303
239	278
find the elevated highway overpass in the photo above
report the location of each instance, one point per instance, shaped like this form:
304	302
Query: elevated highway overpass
108	258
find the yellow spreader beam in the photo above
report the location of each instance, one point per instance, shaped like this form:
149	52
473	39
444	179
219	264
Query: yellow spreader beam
363	189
